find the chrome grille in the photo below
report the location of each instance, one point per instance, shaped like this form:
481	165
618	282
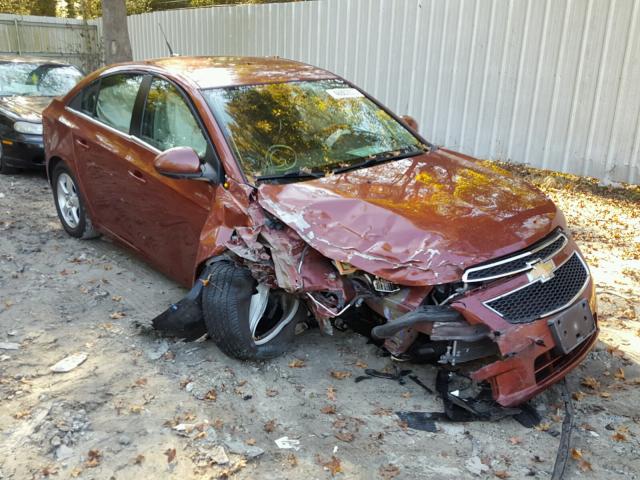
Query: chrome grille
540	299
520	262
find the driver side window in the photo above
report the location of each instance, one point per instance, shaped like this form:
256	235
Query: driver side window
167	121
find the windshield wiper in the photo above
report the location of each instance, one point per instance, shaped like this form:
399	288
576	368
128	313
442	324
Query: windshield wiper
381	158
298	174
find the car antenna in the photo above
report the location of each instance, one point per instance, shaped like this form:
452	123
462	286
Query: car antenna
167	42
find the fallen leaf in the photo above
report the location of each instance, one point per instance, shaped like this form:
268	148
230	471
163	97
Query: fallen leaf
270	426
340	375
405	394
619	374
296	363
136	409
328	409
543	426
576	453
168	355
94	457
579	395
591	383
605	394
22	414
501	474
272	392
76	472
211	395
117	315
389	471
382	412
141	382
620	434
292	460
171	454
233	469
49	470
116	298
333	465
585	466
331	393
361	364
344	436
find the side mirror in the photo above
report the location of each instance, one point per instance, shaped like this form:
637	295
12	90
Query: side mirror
411	122
184	163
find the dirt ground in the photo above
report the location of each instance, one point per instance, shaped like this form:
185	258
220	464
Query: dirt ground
141	406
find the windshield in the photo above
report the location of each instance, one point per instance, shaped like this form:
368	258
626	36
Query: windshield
37	79
306	127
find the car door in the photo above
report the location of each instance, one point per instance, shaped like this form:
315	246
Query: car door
167	215
103	150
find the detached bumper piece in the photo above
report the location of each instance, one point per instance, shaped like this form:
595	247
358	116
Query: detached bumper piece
184	319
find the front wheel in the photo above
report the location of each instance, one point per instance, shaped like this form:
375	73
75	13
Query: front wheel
247	320
70	205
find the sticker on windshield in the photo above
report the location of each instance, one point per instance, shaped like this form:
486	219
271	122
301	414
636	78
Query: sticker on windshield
342	93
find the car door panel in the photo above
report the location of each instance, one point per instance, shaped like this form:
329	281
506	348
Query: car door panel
169	215
103	152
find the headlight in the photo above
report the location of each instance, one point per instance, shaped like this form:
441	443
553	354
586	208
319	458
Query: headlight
28	127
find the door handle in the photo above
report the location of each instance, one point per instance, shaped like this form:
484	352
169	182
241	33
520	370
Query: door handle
82	143
138	176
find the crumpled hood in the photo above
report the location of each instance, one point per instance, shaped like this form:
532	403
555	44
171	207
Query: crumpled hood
25	108
418	221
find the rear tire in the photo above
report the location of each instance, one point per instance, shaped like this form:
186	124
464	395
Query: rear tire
4	169
70	204
232	299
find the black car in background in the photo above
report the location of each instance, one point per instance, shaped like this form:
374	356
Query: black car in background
27	85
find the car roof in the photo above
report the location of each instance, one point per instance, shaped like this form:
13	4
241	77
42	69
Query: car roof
212	72
25	59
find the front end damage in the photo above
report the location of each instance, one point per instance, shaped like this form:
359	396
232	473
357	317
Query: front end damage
447	259
506	323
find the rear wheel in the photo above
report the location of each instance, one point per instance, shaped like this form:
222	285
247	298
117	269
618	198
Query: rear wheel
4	168
70	205
247	320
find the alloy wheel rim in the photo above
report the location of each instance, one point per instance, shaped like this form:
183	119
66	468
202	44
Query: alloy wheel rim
68	200
260	317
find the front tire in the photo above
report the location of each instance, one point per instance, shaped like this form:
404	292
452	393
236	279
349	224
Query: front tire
70	204
247	320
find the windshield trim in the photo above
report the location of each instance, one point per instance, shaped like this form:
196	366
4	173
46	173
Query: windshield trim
254	183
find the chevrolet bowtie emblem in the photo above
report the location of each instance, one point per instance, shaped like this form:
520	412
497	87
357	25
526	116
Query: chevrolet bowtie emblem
541	271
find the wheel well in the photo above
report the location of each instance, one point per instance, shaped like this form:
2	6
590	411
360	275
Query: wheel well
51	165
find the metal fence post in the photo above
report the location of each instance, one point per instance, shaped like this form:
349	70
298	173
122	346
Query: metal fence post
15	22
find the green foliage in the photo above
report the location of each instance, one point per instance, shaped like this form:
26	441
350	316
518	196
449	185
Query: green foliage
93	8
29	7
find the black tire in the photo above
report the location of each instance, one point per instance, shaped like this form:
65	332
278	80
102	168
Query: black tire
225	306
83	228
4	168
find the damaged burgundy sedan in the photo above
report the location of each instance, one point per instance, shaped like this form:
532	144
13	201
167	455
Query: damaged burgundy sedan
284	194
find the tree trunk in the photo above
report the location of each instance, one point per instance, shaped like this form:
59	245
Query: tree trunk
117	46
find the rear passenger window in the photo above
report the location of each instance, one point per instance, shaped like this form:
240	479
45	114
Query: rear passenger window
168	121
115	100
